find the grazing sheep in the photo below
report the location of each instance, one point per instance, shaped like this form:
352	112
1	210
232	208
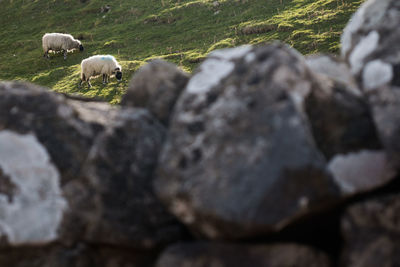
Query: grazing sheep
100	64
59	42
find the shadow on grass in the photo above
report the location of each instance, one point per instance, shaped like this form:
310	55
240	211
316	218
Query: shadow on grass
110	92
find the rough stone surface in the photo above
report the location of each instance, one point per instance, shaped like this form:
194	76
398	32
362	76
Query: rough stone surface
368	44
361	171
344	129
385	105
335	69
229	255
74	170
31	204
80	255
114	203
341	120
96	114
156	86
263	146
45	256
25	108
239	144
371	232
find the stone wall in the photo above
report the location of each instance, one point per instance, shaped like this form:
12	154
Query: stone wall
263	157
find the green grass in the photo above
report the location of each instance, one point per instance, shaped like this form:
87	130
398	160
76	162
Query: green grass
135	31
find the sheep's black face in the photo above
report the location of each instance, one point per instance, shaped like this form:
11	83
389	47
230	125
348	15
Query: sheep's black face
118	75
81	48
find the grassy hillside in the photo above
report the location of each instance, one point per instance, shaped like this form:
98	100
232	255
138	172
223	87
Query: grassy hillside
134	31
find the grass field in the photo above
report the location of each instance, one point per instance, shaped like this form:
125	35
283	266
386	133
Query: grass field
135	31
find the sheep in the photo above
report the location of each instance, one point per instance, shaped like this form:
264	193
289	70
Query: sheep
60	42
100	64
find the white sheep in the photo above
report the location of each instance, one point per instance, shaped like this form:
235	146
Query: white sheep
100	64
60	42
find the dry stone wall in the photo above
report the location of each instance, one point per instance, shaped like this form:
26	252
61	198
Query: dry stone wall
263	157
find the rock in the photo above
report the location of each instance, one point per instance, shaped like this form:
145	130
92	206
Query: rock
229	255
52	189
367	44
31	201
344	131
385	105
362	171
113	203
29	109
156	86
80	255
335	69
239	144
371	232
96	114
45	256
341	120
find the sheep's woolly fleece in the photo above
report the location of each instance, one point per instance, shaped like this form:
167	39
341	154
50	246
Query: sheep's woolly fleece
59	41
99	64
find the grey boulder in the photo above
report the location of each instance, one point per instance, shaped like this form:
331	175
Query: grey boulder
156	86
371	232
79	255
113	202
344	129
237	255
369	46
240	159
29	109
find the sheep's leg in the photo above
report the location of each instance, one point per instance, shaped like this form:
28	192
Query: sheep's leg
83	78
65	54
105	78
88	81
46	54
